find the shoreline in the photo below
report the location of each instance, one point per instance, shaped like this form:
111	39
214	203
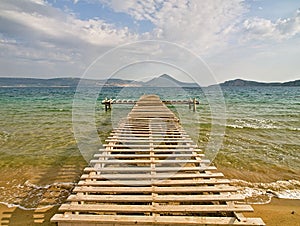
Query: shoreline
16	216
276	213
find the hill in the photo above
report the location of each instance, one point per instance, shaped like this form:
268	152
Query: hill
161	81
241	82
63	82
167	81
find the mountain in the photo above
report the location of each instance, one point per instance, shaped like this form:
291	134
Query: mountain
63	82
35	82
167	81
241	82
161	81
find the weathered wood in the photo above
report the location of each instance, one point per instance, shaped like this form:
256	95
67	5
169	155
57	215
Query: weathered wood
121	134
175	146
146	161
149	169
159	220
127	140
156	155
116	182
150	198
152	173
158	190
168	150
155	209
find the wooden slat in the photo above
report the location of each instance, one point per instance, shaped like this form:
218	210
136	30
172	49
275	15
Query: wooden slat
179	150
156	155
125	134
195	176
157	139
129	140
160	130
150	220
148	145
157	169
158	190
139	161
115	182
150	198
154	209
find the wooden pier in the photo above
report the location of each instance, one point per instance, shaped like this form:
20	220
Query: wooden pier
151	173
109	102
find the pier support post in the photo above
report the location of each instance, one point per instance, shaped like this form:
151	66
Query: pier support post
107	104
194	105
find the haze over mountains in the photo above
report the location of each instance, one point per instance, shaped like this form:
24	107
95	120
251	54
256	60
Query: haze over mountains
161	81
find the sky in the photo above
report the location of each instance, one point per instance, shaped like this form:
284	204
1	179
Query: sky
219	39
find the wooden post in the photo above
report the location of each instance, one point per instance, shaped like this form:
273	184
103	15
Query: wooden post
194	104
107	104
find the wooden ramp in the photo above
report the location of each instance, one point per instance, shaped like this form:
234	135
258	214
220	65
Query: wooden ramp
151	173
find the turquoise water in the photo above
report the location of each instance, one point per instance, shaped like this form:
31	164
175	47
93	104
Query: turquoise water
40	160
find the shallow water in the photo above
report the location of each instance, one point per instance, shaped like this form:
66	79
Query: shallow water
40	160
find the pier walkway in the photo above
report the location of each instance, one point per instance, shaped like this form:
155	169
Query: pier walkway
151	173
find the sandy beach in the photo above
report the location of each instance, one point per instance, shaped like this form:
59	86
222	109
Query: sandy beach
279	212
13	216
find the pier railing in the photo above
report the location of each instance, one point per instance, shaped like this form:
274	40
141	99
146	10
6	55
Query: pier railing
109	102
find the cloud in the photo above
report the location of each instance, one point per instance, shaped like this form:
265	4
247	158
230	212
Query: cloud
33	31
200	25
46	23
264	29
35	35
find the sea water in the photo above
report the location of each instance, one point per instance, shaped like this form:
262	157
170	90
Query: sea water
40	161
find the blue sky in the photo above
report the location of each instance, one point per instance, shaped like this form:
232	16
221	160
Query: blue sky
249	39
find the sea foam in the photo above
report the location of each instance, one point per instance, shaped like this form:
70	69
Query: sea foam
263	192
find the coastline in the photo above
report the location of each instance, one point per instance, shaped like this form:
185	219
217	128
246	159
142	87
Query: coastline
276	213
16	216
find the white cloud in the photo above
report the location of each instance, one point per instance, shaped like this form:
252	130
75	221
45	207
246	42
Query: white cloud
34	35
264	29
34	31
61	26
200	25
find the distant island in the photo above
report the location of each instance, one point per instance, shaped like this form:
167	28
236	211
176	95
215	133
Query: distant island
160	81
240	82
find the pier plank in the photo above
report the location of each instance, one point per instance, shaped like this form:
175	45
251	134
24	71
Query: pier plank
159	220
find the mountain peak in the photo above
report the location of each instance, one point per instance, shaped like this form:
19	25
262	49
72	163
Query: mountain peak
166	80
166	76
